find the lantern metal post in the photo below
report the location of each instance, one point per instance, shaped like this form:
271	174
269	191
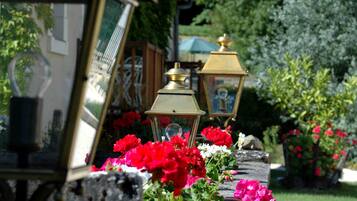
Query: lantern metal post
223	81
179	105
85	49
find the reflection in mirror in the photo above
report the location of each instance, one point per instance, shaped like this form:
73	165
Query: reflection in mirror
46	29
111	34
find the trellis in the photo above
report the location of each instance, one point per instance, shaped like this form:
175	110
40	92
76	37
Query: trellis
139	77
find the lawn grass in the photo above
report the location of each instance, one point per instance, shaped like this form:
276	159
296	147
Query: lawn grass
345	192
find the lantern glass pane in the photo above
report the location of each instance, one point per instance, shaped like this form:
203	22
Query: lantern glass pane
115	19
221	93
171	125
53	31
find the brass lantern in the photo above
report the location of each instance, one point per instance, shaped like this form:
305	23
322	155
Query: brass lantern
223	80
175	110
59	53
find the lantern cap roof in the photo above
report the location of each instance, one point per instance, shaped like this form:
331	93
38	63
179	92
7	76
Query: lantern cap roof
223	62
177	77
175	102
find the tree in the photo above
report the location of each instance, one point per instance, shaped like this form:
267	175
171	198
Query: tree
19	32
243	20
325	30
152	22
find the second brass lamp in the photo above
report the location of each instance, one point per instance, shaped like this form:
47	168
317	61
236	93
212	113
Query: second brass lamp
223	80
175	110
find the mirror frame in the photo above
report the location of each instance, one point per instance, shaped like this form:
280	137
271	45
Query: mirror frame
92	24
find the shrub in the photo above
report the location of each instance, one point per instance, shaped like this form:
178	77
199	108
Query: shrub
306	95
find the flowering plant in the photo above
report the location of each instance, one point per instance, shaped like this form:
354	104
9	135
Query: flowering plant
315	153
170	163
117	125
252	190
218	159
218	136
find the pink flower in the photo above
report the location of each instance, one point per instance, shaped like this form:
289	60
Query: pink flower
335	156
191	180
343	153
316	130
299	155
329	132
252	190
316	137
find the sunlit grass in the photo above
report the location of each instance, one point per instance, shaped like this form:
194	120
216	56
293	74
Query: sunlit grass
344	192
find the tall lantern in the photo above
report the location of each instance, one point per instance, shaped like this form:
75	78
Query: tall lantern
175	110
59	53
223	80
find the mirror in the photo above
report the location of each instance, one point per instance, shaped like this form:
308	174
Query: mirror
53	31
116	15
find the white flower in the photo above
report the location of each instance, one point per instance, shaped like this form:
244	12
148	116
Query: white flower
208	151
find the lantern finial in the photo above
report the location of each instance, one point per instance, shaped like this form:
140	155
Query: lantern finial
224	41
177	77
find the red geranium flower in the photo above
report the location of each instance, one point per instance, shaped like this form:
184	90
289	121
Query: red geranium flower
127	120
341	134
295	132
298	148
217	136
316	130
329	132
317	171
164	121
130	141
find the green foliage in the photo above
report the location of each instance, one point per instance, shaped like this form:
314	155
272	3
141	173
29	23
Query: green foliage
202	191
271	144
323	29
254	114
19	32
307	95
193	30
152	22
243	20
155	192
94	107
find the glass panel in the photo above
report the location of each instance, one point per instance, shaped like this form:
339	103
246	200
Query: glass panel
169	126
222	93
27	31
110	36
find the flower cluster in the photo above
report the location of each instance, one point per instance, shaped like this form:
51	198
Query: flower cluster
252	190
218	159
171	163
329	142
217	136
128	119
207	151
127	143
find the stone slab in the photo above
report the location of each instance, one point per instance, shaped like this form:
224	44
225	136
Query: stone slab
252	165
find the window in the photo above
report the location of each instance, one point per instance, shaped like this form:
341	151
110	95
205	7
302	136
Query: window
58	35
